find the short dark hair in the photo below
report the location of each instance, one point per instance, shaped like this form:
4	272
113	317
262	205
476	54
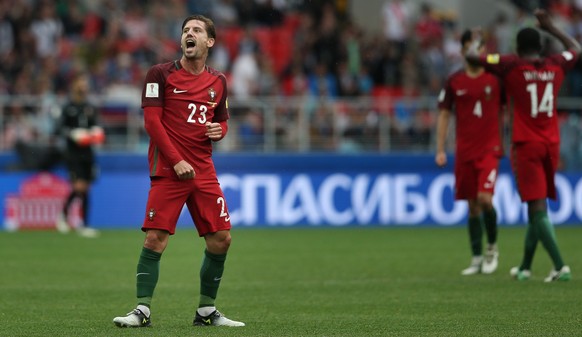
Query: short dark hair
529	40
466	36
210	29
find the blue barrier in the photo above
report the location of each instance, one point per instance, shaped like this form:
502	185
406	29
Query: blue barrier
316	190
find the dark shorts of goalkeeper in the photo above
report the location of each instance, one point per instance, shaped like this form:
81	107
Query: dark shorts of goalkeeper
81	170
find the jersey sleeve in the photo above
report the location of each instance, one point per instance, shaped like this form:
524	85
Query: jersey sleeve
445	98
153	90
566	59
158	135
221	112
497	64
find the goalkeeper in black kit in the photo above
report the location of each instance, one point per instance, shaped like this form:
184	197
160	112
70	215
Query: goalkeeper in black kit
78	125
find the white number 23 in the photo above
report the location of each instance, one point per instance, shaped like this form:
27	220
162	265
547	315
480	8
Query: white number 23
197	113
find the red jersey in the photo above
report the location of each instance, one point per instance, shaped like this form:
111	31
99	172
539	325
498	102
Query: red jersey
188	102
532	88
476	102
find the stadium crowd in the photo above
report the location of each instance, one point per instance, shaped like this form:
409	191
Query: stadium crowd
265	47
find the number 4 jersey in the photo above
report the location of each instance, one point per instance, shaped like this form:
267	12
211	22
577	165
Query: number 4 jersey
188	102
532	86
475	101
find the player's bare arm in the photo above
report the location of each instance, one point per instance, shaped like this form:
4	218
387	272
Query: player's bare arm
546	23
442	126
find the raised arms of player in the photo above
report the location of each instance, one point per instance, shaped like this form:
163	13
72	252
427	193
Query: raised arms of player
546	23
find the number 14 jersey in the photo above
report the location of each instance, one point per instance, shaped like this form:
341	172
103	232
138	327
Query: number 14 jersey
532	87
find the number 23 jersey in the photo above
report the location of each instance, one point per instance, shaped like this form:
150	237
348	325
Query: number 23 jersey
188	101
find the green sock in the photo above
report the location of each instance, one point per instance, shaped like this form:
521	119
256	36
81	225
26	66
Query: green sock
148	271
490	219
210	276
531	242
545	232
476	235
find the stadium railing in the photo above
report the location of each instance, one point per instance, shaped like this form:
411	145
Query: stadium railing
275	124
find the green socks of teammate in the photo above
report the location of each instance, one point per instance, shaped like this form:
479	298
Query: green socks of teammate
490	220
476	235
546	234
210	276
540	228
531	242
148	271
476	224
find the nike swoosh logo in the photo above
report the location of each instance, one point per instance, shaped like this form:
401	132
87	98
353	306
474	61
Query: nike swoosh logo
141	274
461	92
217	278
227	218
176	91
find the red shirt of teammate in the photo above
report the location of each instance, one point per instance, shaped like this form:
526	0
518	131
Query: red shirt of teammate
532	87
476	102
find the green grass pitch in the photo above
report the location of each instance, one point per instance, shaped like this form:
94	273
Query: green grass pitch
395	281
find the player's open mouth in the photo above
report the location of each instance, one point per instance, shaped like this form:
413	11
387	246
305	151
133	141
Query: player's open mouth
190	43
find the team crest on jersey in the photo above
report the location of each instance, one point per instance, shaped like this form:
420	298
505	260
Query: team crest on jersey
488	91
211	97
151	214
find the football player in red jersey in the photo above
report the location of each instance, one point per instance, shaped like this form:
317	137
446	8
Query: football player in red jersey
185	110
532	82
474	96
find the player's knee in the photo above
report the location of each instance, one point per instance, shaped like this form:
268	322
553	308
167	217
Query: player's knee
219	242
485	201
156	240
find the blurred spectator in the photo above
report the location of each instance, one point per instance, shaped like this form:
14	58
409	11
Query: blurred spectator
295	82
224	13
203	7
6	32
322	127
18	128
246	10
73	18
267	14
47	30
365	82
245	69
434	65
250	131
427	28
348	81
327	44
322	82
219	58
397	19
501	34
268	82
